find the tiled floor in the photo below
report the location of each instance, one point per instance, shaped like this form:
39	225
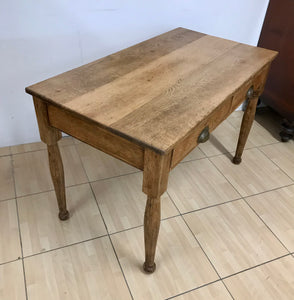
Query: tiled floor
227	231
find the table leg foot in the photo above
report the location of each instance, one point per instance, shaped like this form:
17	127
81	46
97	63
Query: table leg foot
149	268
237	160
63	215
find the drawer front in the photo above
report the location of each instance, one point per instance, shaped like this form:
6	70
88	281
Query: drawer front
184	147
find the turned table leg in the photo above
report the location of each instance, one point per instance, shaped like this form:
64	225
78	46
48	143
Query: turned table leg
50	136
155	178
247	121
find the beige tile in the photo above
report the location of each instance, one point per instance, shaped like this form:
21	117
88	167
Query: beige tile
283	155
122	202
12	281
85	271
32	173
65	141
198	184
9	233
76	141
233	237
6	178
259	134
276	208
28	147
99	165
41	229
181	264
194	154
254	175
272	281
223	139
4	151
214	291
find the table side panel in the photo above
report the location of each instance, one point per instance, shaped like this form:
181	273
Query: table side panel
90	133
183	148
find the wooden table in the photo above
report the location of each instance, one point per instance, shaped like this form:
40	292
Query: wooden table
149	106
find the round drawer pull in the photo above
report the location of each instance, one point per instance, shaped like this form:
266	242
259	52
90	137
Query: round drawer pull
250	93
204	135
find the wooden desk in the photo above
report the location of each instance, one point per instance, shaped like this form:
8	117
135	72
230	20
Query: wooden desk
150	105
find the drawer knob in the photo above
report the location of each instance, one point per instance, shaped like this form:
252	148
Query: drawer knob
250	93
204	135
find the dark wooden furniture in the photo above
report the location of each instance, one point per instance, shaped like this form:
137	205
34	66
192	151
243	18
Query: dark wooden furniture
278	34
150	105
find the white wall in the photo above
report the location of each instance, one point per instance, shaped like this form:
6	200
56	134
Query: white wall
39	39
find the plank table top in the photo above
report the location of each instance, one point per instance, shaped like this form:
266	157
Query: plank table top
150	105
155	93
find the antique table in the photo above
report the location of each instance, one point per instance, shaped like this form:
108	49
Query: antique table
149	106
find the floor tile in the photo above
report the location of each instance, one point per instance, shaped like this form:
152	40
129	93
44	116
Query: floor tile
9	233
181	264
233	237
84	271
99	165
283	155
254	175
32	173
41	229
276	208
4	151
12	281
122	202
194	154
28	147
6	178
272	281
222	140
198	184
38	146
214	291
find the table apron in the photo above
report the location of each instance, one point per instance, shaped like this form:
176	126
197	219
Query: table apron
96	136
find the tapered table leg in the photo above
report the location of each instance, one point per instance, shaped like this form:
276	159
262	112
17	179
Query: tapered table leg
50	136
155	178
57	175
247	121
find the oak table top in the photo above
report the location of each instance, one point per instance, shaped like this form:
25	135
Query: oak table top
156	92
150	105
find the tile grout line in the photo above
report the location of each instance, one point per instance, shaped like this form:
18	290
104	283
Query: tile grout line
241	198
225	177
10	261
65	246
194	289
275	164
37	150
19	231
87	240
206	256
200	246
256	266
69	186
98	207
266	225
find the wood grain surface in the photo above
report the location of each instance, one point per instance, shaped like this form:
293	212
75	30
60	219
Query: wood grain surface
157	92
